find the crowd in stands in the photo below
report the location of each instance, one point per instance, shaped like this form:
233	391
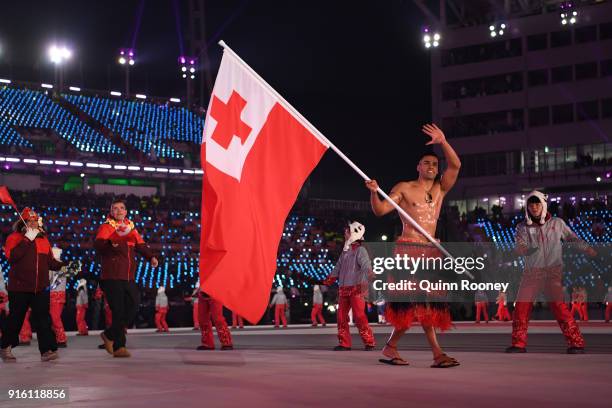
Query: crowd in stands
35	122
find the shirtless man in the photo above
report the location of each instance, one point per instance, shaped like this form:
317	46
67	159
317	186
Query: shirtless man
422	200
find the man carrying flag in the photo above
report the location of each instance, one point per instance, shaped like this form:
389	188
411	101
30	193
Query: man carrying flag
421	199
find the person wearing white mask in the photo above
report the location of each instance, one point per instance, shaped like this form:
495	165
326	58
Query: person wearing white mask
161	310
279	301
82	303
317	307
352	273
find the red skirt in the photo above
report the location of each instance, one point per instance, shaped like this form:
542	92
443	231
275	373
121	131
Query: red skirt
431	311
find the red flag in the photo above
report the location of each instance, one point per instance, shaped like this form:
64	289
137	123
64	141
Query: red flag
5	197
256	155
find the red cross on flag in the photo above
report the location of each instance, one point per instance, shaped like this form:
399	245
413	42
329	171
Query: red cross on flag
257	151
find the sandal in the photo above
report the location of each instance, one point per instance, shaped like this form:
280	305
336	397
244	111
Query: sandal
444	361
397	361
392	359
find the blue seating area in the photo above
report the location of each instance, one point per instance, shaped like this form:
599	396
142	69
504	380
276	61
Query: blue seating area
35	109
583	226
144	125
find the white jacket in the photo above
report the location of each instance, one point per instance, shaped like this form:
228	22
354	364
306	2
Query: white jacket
547	239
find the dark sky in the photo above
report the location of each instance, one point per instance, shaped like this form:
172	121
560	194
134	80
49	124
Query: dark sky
356	69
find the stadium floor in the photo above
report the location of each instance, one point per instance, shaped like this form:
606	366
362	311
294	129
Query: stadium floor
295	367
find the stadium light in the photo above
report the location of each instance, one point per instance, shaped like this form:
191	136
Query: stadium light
175	100
569	15
187	70
187	66
384	237
495	30
75	88
5	81
431	39
59	54
141	96
115	93
127	59
48	86
126	56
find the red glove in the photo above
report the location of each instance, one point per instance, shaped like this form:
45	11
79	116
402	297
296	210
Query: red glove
330	280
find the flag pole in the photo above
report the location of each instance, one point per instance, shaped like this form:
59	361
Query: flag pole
325	141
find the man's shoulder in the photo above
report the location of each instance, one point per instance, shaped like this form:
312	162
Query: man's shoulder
404	185
105	225
14	237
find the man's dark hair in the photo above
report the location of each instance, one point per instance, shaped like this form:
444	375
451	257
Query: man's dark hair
429	153
117	201
534	200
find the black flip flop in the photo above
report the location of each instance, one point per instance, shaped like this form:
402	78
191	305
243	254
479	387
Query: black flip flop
394	361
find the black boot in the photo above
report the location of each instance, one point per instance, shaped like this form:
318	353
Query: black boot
514	349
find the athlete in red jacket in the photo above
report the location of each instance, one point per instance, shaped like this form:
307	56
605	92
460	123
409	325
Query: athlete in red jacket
29	254
116	244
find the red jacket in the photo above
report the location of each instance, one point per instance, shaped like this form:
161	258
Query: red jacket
119	262
30	262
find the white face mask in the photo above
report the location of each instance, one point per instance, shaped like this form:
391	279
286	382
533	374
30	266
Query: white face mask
356	232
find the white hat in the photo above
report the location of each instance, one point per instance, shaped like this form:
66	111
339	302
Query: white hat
357	231
317	288
161	290
542	197
82	284
279	289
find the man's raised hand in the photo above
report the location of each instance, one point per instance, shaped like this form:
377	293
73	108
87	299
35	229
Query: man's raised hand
436	134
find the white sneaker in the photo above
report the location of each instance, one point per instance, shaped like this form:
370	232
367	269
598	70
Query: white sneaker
7	356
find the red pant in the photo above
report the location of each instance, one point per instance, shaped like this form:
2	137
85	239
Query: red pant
578	307
608	312
80	319
548	280
279	315
502	313
481	308
211	309
196	320
317	313
350	297
160	318
25	334
237	320
58	300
